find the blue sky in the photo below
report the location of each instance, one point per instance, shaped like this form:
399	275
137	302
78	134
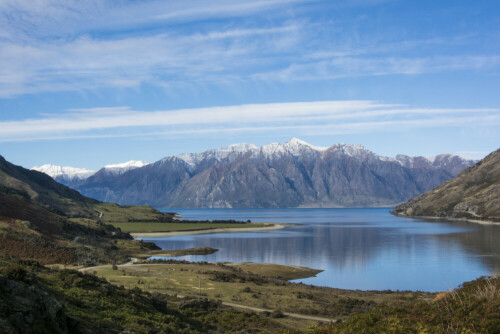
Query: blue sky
88	83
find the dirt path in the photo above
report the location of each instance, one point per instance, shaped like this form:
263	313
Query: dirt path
133	261
293	315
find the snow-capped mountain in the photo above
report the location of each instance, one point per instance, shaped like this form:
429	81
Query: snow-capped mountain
118	169
275	175
72	176
65	174
194	159
294	147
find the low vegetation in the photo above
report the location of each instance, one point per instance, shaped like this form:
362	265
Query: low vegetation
250	284
150	227
472	308
176	252
39	300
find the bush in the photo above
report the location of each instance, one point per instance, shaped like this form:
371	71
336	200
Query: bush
16	273
277	314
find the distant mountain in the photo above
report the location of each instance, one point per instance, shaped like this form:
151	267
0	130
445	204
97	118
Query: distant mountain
65	174
72	177
117	169
473	194
294	174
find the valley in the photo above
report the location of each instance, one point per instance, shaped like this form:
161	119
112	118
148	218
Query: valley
72	261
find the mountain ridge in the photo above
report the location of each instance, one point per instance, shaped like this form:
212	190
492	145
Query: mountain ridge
292	174
72	176
474	195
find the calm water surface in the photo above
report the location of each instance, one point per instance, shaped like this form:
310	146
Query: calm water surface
366	249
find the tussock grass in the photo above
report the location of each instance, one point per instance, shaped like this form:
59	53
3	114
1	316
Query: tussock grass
472	308
488	291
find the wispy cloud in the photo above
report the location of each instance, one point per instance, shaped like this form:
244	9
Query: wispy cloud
89	63
72	45
44	18
310	118
342	66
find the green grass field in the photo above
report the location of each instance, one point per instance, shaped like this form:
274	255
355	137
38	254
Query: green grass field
177	227
233	283
113	213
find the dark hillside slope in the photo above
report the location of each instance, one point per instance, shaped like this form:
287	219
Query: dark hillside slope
41	189
473	194
45	221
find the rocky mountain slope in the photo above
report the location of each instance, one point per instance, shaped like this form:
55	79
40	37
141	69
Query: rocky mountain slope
293	174
474	194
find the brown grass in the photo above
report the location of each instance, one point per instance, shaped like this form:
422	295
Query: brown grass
44	255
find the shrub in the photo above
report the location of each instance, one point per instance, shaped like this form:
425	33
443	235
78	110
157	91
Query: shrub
277	314
16	272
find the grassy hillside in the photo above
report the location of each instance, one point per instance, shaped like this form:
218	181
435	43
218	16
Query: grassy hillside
43	220
473	308
473	194
35	299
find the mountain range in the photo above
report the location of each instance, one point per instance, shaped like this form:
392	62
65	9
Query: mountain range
72	176
293	174
473	194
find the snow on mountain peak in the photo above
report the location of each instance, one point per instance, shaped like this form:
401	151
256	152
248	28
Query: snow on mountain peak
351	150
443	158
296	141
299	148
65	172
131	163
232	150
296	145
118	169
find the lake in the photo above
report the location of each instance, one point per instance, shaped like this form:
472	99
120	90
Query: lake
365	249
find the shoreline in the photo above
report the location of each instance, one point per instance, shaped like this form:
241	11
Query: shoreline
468	220
269	227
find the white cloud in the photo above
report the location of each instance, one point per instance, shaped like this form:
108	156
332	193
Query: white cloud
89	63
311	118
44	18
72	45
343	66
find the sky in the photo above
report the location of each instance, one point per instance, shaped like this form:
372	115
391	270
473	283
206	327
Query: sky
86	83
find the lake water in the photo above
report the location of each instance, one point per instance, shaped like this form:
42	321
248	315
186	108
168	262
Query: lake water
366	249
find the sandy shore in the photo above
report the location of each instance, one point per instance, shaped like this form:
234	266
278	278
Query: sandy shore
273	226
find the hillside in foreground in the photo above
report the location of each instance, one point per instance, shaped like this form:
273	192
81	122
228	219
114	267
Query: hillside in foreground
473	194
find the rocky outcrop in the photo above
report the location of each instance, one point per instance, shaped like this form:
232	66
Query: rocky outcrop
294	174
25	308
473	194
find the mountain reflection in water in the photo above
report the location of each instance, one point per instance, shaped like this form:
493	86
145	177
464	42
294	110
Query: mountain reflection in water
357	248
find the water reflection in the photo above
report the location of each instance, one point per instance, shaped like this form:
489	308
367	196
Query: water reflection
356	248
